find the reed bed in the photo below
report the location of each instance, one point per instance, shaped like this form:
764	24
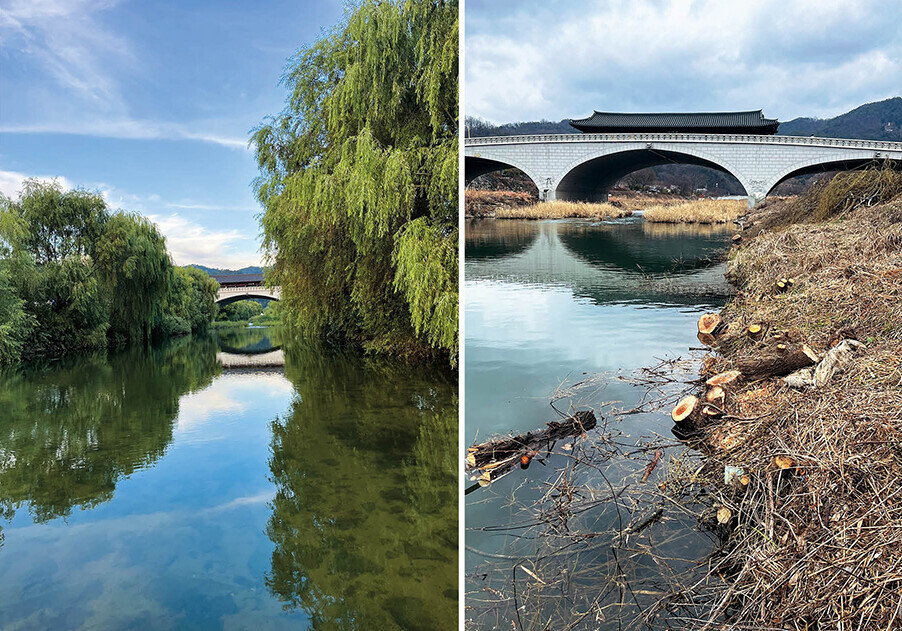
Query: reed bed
564	210
639	201
703	211
480	203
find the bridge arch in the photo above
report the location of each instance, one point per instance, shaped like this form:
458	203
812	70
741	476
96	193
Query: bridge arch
590	177
821	166
228	295
474	166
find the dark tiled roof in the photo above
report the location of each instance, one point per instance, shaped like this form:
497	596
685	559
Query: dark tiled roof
703	122
232	279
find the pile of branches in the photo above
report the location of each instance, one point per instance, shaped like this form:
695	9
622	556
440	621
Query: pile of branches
807	473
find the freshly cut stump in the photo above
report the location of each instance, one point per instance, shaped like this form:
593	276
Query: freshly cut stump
716	395
784	462
708	323
727	378
685	410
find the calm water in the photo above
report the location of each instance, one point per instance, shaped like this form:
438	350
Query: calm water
553	302
154	490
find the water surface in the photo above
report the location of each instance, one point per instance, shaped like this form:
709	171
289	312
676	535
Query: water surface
551	303
152	489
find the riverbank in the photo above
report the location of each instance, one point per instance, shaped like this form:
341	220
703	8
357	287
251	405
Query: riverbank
665	208
810	515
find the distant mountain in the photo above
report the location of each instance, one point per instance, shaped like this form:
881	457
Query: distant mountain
212	271
873	121
476	127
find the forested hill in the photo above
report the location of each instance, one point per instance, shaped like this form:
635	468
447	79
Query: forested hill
873	121
212	271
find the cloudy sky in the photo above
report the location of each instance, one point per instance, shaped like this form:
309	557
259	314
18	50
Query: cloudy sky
535	59
151	103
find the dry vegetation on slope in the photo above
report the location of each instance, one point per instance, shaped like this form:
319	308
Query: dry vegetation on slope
812	533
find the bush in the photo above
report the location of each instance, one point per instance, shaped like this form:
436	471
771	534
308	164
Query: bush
174	326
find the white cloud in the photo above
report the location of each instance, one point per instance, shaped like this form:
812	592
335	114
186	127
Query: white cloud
11	182
190	242
804	57
128	129
74	60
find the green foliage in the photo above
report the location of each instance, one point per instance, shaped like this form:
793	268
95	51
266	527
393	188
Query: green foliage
191	299
362	161
133	261
77	277
16	326
271	316
240	311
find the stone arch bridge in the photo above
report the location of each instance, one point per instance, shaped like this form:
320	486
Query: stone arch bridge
235	287
583	167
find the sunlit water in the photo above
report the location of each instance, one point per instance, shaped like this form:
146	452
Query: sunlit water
155	490
550	303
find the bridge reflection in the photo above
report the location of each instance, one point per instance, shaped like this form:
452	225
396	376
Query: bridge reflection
624	261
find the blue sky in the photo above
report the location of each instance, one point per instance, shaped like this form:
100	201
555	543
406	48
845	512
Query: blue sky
151	103
556	59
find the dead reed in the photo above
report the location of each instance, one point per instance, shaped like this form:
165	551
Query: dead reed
564	210
706	211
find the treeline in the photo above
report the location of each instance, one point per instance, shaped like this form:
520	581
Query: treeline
76	276
359	181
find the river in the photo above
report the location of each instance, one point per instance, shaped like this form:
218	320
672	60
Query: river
552	304
153	489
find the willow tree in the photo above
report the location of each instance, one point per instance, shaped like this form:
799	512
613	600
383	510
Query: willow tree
359	180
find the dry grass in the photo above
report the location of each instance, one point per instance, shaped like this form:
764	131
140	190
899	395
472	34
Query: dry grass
818	546
699	211
563	210
486	203
637	201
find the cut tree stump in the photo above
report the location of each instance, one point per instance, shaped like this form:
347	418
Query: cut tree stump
716	395
687	410
723	379
708	323
777	362
496	457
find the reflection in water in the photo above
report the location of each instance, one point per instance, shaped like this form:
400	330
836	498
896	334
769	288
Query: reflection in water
579	299
497	238
249	340
149	489
618	261
71	431
365	515
632	247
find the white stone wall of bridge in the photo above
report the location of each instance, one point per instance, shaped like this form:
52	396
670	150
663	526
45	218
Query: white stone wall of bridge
759	163
246	293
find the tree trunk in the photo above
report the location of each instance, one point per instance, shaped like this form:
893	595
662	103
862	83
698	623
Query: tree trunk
776	362
500	456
